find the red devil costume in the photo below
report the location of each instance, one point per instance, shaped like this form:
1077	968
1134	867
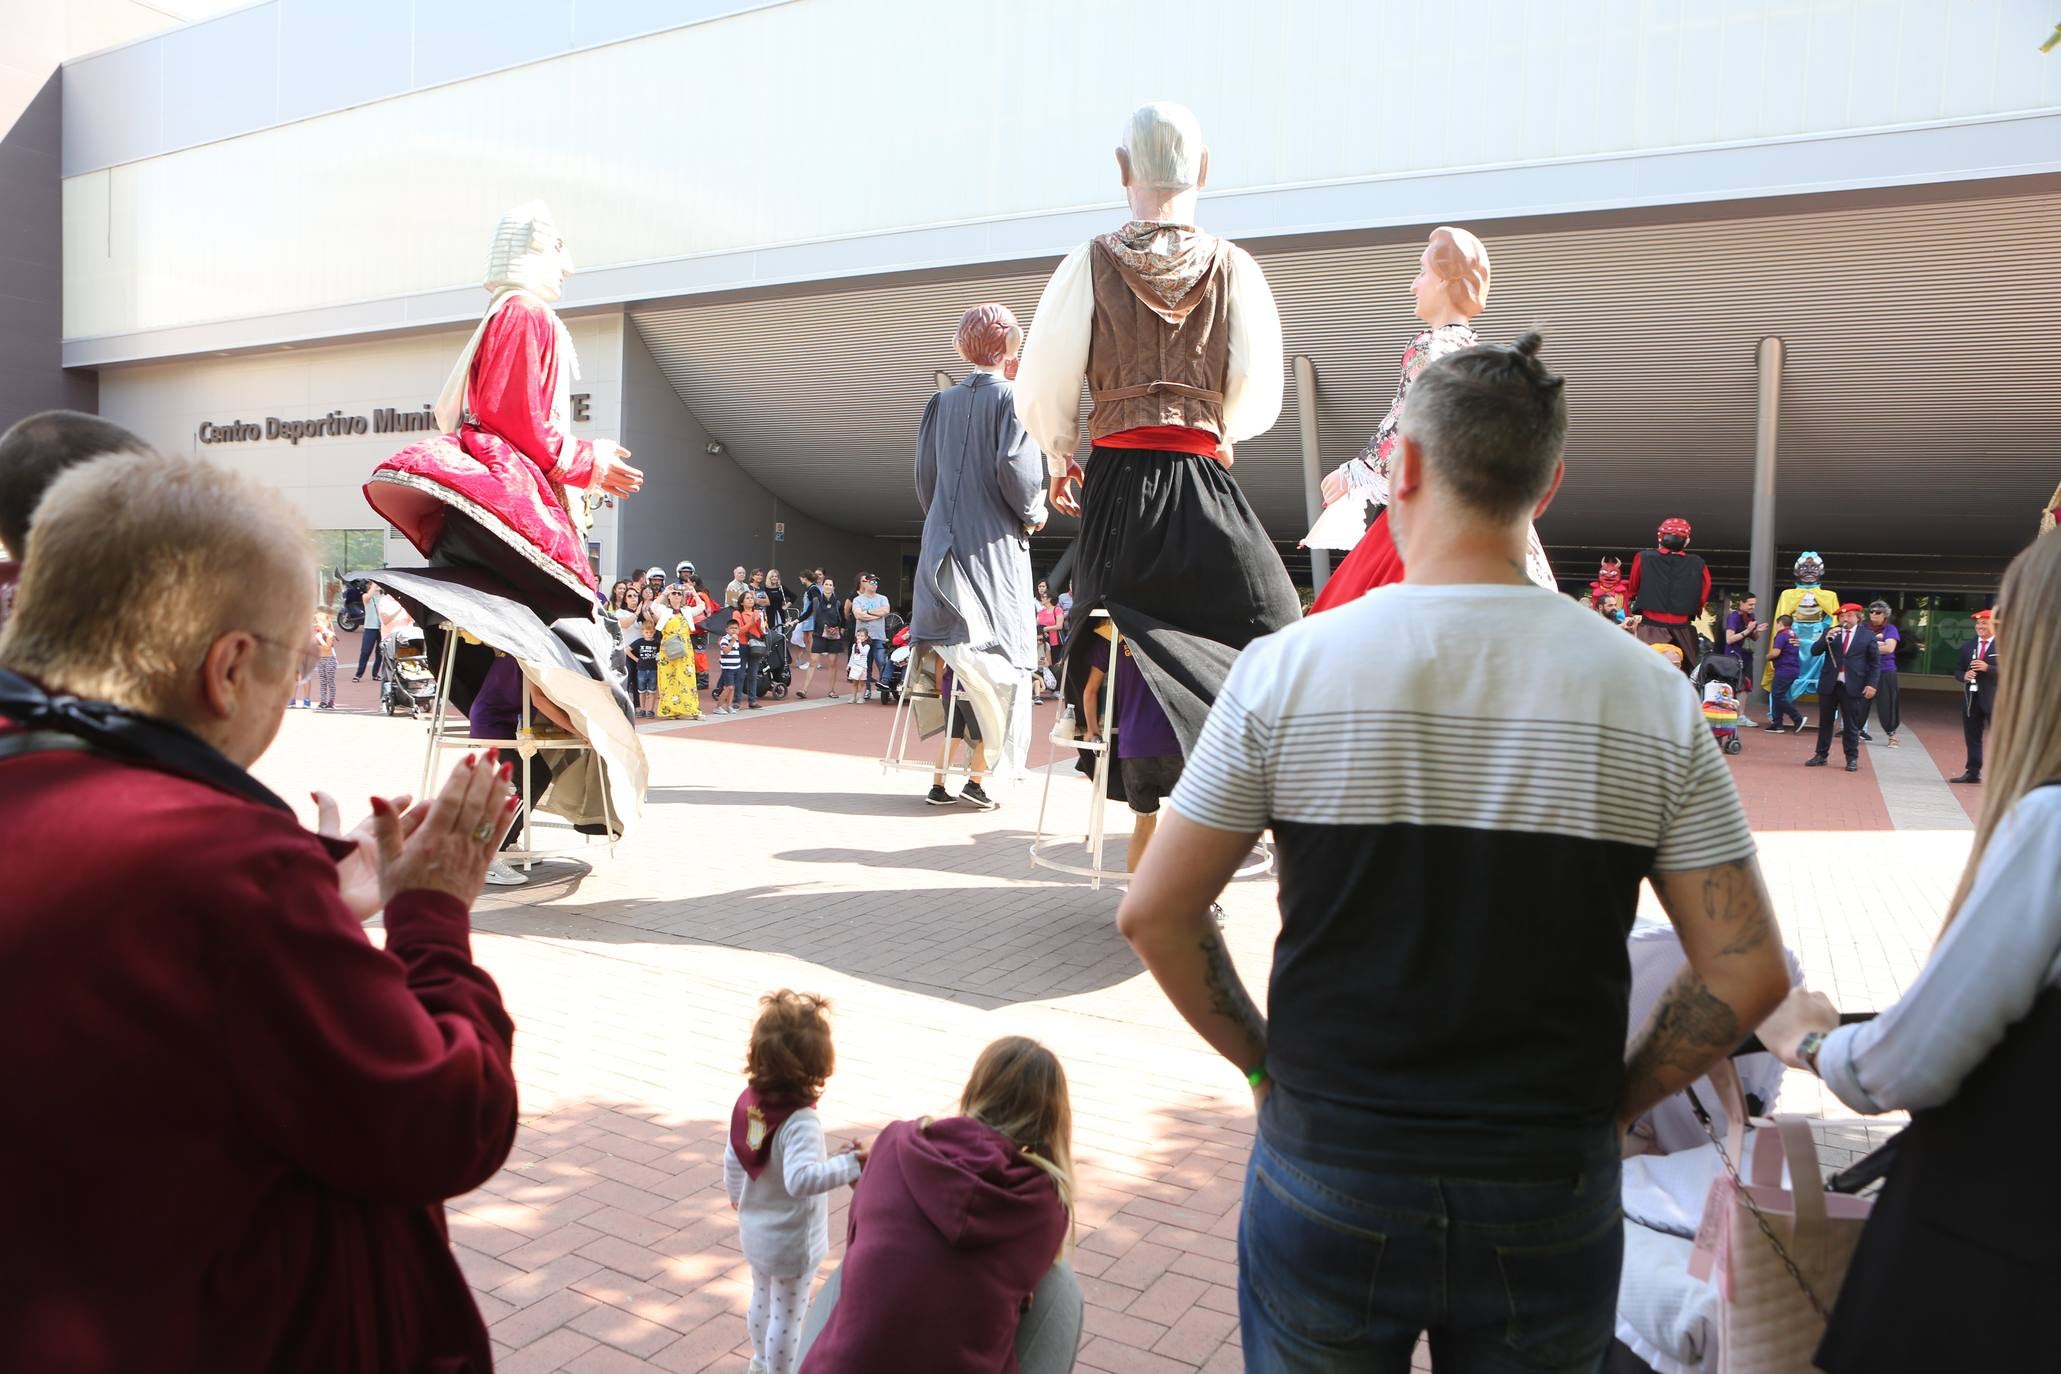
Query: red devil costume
1669	586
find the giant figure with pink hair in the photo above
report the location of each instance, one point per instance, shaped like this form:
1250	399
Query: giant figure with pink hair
981	480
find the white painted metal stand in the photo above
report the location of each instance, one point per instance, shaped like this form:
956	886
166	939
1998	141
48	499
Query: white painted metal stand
448	734
897	759
1043	845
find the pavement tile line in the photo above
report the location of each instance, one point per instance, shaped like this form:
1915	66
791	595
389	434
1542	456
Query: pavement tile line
1913	787
606	1243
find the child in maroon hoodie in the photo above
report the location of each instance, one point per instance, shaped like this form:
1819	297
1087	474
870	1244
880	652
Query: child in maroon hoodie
777	1175
953	1260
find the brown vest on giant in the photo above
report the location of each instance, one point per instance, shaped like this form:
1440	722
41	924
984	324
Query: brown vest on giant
1146	369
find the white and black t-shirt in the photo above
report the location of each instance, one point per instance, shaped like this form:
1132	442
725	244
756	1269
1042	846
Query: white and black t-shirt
1467	785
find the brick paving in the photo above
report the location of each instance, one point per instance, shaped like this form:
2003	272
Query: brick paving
774	852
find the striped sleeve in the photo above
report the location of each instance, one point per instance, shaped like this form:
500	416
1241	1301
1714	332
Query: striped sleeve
1706	825
1227	783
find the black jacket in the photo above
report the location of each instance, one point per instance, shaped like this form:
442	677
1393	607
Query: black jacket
1984	697
1862	662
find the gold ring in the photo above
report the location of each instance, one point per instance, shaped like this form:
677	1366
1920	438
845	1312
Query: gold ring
483	832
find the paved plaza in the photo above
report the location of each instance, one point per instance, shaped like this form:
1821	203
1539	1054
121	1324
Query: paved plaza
774	852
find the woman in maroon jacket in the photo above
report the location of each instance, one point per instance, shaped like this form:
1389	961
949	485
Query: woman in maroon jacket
230	1119
954	1251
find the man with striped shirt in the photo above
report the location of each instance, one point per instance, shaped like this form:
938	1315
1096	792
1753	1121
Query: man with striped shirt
1444	1080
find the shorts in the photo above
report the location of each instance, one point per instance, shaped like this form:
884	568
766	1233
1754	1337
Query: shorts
732	677
1148	781
826	645
647	677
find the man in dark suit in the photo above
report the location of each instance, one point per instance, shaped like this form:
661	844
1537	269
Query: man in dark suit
1848	680
1978	671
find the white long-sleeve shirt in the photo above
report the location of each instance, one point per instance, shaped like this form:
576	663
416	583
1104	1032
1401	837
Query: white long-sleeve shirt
1055	357
2001	953
783	1215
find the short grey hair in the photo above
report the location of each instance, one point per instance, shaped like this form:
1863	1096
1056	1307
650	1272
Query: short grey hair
199	551
1163	142
1491	421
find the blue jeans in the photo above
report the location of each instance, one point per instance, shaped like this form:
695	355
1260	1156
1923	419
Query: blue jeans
1780	708
1340	1269
877	669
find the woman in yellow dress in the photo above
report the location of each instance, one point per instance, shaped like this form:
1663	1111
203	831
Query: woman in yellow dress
677	699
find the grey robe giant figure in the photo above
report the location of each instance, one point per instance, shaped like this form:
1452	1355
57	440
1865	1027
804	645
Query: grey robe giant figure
981	479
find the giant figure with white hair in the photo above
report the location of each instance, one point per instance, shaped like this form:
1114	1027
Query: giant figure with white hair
498	503
1177	336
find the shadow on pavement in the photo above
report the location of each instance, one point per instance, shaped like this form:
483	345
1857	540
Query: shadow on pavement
987	946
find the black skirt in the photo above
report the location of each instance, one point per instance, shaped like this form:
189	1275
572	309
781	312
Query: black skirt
1171	549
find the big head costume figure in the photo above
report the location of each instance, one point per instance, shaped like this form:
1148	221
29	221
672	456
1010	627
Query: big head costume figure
1809	621
493	489
1451	287
494	503
1669	586
1177	336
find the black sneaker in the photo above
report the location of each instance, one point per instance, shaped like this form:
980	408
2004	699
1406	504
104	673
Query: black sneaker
973	796
1853	765
939	797
1868	737
1815	761
1803	725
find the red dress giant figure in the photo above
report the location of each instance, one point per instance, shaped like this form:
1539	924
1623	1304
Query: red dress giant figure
494	488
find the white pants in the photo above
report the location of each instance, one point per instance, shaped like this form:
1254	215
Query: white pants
778	1306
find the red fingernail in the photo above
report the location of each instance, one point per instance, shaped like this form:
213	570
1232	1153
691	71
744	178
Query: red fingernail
507	771
514	802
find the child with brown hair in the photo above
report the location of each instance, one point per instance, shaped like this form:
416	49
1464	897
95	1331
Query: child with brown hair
776	1172
955	1251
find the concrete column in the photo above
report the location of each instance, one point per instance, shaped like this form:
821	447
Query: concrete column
1761	548
1312	462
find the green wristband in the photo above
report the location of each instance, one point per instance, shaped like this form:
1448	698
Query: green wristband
1258	1074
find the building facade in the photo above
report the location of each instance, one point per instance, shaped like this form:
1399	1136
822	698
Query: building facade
780	209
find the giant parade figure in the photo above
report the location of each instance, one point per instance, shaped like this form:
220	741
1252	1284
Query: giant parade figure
497	501
981	481
1813	608
1450	289
1177	336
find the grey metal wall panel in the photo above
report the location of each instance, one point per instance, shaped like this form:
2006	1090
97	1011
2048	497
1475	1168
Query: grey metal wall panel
31	226
332	56
455	39
222	77
114	107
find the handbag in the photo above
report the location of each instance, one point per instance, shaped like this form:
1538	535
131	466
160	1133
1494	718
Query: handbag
674	647
1778	1255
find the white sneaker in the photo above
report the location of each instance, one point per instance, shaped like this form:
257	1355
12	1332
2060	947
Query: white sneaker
757	1366
500	874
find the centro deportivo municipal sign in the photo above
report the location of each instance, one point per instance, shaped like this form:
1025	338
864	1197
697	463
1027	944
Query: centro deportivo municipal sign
384	420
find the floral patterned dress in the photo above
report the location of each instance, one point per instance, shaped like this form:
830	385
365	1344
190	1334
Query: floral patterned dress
677	699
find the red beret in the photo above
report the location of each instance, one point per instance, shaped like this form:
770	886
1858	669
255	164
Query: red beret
1983	615
1850	606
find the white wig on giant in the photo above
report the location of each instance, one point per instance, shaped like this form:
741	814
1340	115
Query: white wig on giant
525	252
1164	144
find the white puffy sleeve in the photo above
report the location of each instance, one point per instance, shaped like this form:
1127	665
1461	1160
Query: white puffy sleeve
1055	361
1252	391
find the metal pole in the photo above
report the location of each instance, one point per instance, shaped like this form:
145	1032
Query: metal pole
1312	463
1760	562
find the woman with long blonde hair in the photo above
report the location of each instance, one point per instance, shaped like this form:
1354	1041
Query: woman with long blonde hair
955	1257
1961	1258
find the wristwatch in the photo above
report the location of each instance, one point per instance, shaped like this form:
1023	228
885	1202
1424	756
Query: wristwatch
1808	1047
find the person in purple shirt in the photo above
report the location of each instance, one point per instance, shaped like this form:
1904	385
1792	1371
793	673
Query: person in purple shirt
1885	704
1741	630
1147	751
496	714
1788	663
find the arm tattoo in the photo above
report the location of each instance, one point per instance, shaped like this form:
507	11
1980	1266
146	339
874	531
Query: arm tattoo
1227	995
1691	1027
1730	897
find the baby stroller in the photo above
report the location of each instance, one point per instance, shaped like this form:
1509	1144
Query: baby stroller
897	670
1667	1318
776	668
1721	677
409	685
